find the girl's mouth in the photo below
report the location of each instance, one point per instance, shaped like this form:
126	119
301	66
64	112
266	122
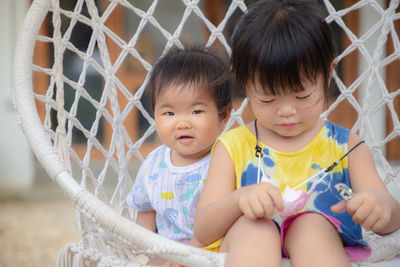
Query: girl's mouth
288	125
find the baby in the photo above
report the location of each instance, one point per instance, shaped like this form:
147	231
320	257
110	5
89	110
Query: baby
190	91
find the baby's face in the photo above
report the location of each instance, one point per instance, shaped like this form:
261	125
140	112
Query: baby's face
187	121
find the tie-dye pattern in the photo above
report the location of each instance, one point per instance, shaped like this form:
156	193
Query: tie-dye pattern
171	191
290	169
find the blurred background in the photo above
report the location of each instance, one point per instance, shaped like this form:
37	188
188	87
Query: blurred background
36	220
28	235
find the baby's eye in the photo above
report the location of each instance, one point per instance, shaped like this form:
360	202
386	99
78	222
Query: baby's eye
197	111
169	113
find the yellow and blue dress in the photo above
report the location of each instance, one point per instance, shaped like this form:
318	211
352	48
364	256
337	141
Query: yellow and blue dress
292	168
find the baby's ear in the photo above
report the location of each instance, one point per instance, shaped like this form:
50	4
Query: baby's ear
333	66
226	117
227	114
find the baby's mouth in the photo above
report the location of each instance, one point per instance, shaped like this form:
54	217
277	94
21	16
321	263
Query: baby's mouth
185	138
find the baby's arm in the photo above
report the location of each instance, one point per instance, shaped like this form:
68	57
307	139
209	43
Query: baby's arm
372	206
220	205
195	243
147	219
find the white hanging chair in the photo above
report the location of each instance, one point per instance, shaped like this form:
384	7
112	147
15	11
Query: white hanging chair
109	235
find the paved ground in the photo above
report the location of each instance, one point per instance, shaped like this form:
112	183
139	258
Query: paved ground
34	225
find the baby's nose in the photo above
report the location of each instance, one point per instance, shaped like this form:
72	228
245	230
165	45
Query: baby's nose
184	124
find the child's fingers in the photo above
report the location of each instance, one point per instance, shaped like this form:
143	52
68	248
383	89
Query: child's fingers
354	204
268	204
258	208
370	221
276	197
362	213
383	218
247	211
379	225
339	207
250	207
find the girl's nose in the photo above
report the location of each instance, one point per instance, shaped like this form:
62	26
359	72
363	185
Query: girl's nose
286	110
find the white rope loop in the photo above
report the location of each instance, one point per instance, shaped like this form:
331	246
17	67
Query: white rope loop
60	139
138	237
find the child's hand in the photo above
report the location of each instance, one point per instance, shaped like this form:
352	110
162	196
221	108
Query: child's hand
259	200
366	209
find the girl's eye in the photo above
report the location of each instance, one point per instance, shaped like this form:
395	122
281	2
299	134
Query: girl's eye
303	97
196	112
267	101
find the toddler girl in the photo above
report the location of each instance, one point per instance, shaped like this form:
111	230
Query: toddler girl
283	56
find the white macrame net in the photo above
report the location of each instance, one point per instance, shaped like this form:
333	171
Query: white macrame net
111	180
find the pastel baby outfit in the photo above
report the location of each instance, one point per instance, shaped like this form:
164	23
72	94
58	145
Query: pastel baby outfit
292	168
171	191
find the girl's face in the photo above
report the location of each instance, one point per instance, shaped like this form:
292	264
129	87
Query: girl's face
288	115
187	121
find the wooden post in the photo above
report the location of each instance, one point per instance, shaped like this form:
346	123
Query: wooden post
41	57
393	84
344	114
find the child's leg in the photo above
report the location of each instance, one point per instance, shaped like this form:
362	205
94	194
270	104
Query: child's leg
312	240
252	243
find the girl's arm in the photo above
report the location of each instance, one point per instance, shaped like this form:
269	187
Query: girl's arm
217	209
147	219
373	206
220	204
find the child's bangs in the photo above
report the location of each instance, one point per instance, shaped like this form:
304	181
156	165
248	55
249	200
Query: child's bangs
283	79
287	61
285	52
181	79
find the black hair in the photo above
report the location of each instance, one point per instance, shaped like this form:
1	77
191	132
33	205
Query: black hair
281	42
197	65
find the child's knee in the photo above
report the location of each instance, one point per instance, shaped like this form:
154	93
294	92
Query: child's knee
259	230
259	238
259	227
312	224
311	232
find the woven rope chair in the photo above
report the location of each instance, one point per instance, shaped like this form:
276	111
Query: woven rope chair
109	235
